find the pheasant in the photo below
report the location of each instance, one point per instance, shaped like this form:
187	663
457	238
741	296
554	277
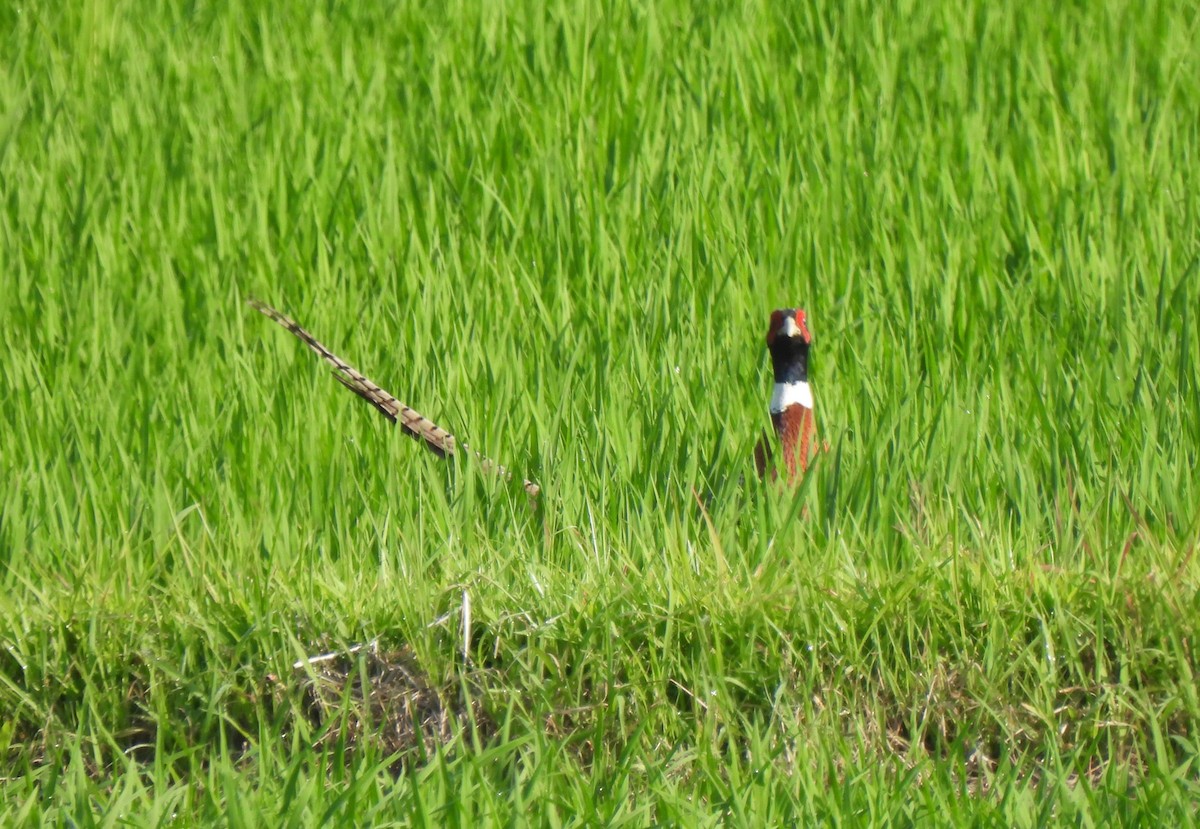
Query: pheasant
788	340
437	439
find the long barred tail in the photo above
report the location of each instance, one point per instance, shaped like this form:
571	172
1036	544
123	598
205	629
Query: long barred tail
413	422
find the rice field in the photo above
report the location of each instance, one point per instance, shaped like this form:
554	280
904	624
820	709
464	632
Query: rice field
233	594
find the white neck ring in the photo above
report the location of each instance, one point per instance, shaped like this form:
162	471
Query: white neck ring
790	394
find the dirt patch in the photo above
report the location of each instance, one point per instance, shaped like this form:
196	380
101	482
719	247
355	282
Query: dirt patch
385	699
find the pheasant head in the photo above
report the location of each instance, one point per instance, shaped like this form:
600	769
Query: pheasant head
788	341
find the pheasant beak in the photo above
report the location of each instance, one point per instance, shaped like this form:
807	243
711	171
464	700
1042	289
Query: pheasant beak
788	328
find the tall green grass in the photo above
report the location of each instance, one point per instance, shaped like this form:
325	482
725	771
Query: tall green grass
558	229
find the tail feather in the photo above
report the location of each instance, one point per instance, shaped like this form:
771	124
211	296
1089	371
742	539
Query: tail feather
436	439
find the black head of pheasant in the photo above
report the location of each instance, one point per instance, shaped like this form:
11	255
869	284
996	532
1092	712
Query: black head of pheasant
789	340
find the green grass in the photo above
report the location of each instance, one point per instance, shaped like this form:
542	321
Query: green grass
559	231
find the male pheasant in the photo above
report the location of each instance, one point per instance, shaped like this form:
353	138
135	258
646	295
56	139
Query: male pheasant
788	340
413	422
